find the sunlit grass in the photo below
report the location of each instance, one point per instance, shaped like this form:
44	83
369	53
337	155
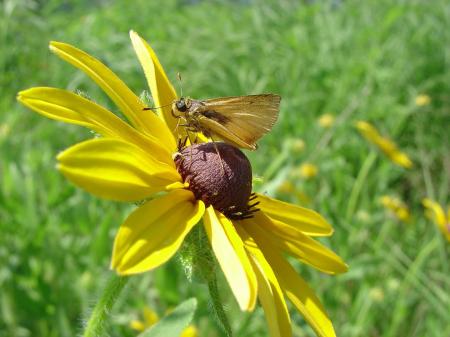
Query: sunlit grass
361	61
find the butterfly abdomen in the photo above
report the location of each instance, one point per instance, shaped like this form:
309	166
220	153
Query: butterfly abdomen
215	116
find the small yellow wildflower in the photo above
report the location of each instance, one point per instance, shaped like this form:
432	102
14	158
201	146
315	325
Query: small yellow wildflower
363	216
326	120
297	145
437	214
286	187
302	198
151	317
190	331
377	294
308	170
137	325
396	207
4	130
393	284
423	100
389	148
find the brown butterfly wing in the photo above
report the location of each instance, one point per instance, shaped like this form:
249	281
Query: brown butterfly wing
241	120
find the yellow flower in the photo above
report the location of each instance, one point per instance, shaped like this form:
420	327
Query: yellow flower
326	120
297	145
190	331
396	207
4	130
308	170
151	317
437	214
423	100
286	187
376	294
136	160
389	148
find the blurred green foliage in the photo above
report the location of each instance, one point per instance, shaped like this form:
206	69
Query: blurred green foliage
357	60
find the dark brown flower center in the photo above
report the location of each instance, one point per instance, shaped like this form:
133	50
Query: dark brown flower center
220	175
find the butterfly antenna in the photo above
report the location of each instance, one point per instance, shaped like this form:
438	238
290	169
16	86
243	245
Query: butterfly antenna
156	107
180	83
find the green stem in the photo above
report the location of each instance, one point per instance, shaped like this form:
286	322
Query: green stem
218	306
359	183
95	326
197	254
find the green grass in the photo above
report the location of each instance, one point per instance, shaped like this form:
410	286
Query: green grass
358	60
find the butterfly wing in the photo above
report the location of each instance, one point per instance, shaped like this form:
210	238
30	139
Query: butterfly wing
240	120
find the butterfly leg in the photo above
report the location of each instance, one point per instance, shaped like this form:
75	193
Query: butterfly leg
218	153
190	142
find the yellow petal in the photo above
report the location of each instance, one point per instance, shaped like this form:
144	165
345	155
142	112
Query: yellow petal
162	90
114	169
270	293
52	106
303	297
391	150
153	233
436	209
295	288
299	218
68	107
300	245
439	217
229	250
368	131
125	99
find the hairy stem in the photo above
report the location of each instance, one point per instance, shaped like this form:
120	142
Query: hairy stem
218	306
95	326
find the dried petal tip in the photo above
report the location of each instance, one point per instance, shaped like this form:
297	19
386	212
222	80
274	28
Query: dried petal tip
220	175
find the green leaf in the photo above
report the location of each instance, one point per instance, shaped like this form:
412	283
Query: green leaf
174	323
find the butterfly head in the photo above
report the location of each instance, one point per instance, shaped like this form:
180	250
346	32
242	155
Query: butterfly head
181	106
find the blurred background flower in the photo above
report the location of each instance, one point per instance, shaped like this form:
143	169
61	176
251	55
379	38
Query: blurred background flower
150	317
437	214
326	120
306	171
423	100
387	146
297	145
396	207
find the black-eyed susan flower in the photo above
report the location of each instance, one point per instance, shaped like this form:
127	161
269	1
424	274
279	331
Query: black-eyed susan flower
396	207
437	214
387	146
326	120
140	160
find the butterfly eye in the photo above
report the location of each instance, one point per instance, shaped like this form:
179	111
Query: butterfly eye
181	105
